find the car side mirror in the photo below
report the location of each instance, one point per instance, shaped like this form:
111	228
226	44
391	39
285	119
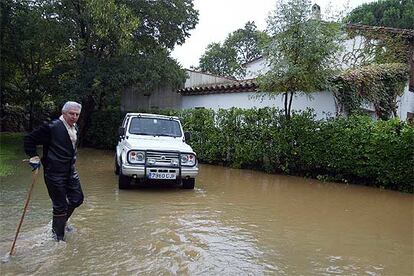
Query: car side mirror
121	132
187	135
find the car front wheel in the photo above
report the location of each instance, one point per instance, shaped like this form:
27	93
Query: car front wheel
116	170
124	182
188	183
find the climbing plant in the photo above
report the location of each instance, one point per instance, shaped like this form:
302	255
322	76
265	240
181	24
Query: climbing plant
379	84
380	45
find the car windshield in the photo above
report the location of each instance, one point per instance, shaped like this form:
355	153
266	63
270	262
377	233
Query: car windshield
155	127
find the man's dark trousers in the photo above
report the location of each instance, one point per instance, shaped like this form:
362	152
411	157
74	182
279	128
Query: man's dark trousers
66	194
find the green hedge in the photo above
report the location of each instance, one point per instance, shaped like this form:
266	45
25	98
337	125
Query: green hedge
103	130
355	149
10	149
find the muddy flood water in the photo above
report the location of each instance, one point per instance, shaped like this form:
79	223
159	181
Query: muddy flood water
235	222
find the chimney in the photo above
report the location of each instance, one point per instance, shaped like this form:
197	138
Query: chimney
316	12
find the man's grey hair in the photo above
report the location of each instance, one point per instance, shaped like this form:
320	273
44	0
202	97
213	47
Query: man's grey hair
71	105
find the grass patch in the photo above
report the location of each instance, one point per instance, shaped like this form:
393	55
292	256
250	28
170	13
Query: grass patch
11	148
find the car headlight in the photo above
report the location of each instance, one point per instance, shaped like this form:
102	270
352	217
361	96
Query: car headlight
136	157
188	159
174	162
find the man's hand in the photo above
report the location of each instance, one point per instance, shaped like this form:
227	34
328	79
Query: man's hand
34	162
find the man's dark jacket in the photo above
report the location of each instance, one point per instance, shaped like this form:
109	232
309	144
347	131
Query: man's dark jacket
59	156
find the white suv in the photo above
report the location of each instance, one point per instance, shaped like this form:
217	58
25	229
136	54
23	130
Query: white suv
153	147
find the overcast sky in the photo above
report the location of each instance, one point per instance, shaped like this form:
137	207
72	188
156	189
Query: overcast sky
218	18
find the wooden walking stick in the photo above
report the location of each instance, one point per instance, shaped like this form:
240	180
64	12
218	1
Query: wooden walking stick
26	204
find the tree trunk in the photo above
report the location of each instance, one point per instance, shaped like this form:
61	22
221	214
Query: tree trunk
286	104
88	106
290	104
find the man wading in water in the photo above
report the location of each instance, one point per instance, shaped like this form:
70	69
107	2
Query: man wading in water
59	139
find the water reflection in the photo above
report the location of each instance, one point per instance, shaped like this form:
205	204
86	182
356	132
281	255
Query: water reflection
235	223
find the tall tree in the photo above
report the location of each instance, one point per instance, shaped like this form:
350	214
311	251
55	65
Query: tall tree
122	43
246	42
301	54
388	13
241	46
219	60
31	46
92	49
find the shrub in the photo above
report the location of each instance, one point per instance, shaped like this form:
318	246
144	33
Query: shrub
355	149
103	131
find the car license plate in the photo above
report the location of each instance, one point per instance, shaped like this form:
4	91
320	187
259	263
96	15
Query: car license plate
158	175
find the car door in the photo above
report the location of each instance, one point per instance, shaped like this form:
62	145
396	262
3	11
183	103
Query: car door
121	139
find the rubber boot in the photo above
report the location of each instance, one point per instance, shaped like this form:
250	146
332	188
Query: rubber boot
58	227
68	227
69	213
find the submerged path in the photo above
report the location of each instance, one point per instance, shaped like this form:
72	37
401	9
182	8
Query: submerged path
235	222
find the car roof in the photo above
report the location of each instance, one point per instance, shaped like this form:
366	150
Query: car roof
150	115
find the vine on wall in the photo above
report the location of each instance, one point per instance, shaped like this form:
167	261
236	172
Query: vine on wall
379	84
382	44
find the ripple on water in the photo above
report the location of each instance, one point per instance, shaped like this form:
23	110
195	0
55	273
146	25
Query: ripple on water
35	251
234	223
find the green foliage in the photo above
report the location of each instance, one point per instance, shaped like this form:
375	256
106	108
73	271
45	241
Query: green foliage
219	60
89	50
13	119
120	44
246	42
31	46
350	150
379	84
389	13
391	154
11	149
376	152
301	54
166	23
378	47
205	135
241	46
103	132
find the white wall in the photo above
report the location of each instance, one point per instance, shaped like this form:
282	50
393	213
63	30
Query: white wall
350	56
323	103
347	58
405	104
256	68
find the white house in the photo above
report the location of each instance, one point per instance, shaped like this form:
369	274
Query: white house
165	96
244	94
218	94
203	90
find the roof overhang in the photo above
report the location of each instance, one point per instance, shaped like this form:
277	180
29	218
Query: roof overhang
233	87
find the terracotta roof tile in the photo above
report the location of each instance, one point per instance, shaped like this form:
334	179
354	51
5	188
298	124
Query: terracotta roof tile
237	86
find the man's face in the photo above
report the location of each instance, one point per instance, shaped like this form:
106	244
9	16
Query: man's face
71	116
